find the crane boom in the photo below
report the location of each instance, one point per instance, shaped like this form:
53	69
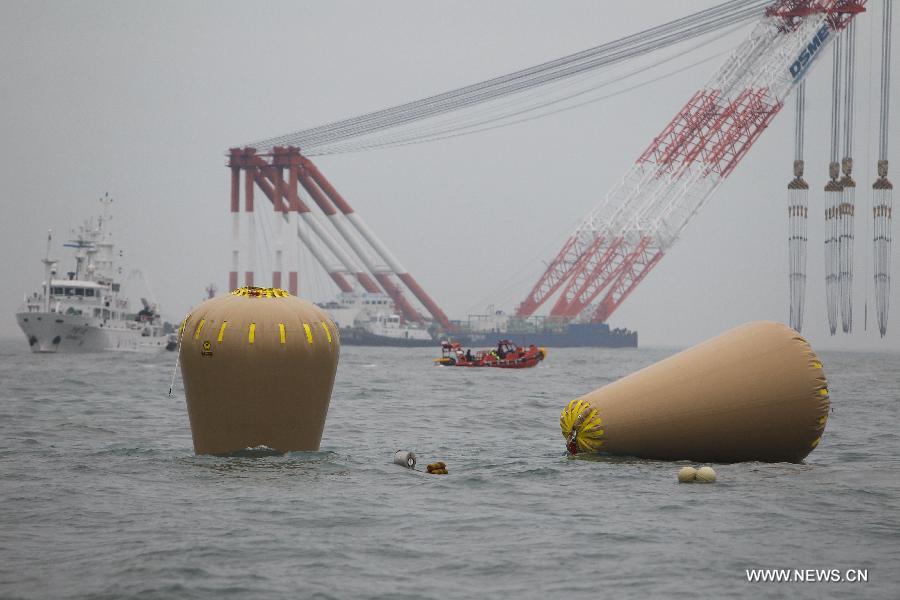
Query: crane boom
627	234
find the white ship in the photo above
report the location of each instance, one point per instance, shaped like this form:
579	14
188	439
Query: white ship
84	311
370	320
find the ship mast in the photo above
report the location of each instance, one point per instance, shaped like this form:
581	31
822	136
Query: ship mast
49	263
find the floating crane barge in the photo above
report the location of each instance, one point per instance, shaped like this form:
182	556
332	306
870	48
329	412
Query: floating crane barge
626	235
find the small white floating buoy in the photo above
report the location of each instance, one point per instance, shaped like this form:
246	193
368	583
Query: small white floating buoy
705	475
405	458
687	474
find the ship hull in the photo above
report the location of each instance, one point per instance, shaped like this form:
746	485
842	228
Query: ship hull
358	336
51	332
576	335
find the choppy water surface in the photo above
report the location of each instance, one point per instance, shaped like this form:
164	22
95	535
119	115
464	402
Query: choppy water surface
102	496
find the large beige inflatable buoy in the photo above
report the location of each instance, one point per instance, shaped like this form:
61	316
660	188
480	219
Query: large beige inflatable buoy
755	393
258	368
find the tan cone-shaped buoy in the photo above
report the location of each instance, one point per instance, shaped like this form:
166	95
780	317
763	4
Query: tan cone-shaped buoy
258	368
756	392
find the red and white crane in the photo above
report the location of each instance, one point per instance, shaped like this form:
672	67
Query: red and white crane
628	233
620	241
280	174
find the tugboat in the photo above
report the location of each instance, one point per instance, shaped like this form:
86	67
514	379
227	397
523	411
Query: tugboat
505	356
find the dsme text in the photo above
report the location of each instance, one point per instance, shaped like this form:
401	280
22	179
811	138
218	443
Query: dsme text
809	53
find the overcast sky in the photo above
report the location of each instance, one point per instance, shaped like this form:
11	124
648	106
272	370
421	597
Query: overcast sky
142	100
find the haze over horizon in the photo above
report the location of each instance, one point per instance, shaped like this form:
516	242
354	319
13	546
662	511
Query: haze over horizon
143	101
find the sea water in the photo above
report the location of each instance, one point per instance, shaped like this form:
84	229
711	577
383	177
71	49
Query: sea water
101	495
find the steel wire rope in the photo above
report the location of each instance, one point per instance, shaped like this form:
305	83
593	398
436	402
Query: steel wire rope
494	108
491	111
469	129
868	157
541	80
884	111
882	220
848	194
388	113
531	118
533	76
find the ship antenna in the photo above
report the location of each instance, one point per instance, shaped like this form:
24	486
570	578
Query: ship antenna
48	271
49	240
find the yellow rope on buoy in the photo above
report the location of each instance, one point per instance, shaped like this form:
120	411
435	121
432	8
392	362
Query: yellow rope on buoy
586	425
258	292
438	468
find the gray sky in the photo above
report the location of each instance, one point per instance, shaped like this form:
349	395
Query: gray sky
143	99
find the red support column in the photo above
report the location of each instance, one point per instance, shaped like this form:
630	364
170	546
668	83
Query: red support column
334	196
234	161
249	177
293	202
293	166
322	202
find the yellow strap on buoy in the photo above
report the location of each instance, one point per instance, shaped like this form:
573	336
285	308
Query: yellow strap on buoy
308	333
327	333
587	426
199	328
251	335
281	332
222	331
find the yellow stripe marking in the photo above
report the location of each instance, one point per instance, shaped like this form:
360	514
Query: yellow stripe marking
327	333
816	364
183	325
222	331
815	442
251	336
281	332
823	392
199	328
308	333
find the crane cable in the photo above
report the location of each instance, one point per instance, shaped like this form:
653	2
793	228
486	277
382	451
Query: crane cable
679	30
847	206
492	119
882	201
798	202
833	195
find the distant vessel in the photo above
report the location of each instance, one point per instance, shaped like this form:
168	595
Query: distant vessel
371	320
85	312
542	331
